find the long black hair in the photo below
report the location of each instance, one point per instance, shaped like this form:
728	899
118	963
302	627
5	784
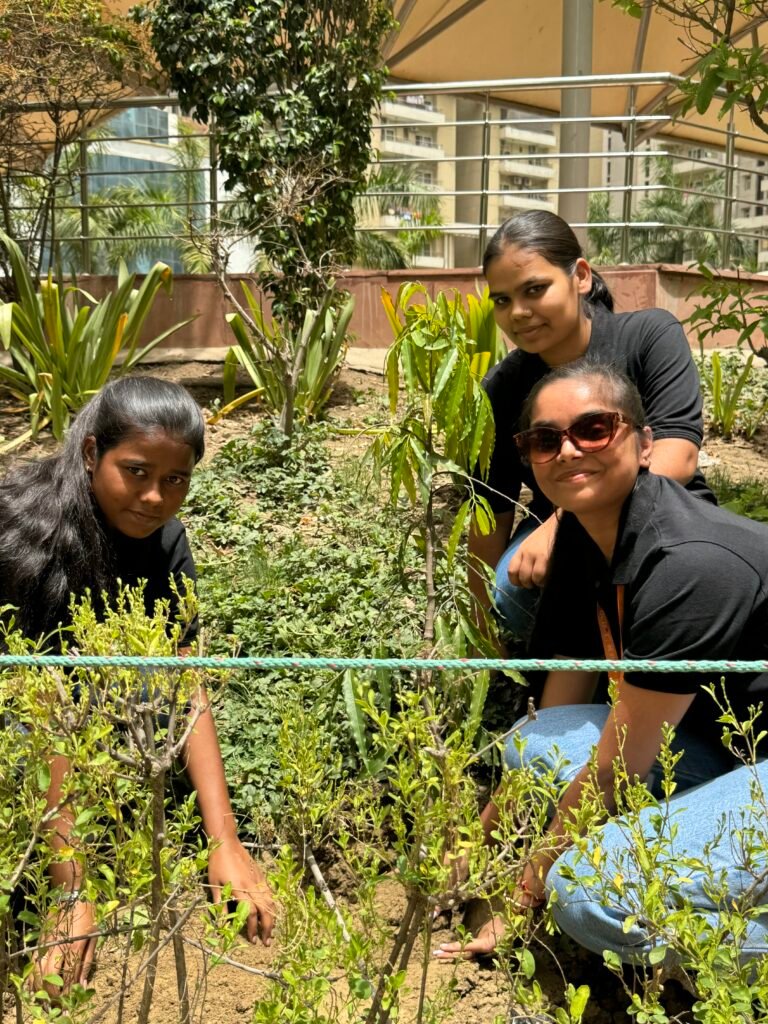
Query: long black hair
551	237
613	385
52	542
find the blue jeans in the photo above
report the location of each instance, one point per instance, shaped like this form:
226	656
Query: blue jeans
516	606
713	804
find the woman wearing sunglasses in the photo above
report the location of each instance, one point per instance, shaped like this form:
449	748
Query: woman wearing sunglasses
556	309
640	569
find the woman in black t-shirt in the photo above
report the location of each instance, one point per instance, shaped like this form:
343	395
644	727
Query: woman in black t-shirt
101	510
555	309
641	569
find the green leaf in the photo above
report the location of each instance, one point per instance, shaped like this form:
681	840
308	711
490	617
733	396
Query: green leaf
43	777
457	531
355	716
658	954
612	960
578	1002
527	963
706	91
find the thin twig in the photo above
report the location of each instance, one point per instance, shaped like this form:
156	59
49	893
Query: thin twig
182	920
325	891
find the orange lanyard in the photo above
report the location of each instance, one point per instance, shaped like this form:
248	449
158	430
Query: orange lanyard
609	647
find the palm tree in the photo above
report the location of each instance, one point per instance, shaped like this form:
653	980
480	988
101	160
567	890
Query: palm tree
689	222
156	218
390	188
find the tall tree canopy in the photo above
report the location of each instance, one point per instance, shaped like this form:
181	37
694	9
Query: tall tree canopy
292	88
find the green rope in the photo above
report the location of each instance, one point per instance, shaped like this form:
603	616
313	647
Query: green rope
405	664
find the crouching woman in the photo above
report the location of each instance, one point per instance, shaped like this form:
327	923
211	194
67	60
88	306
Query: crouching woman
102	510
640	570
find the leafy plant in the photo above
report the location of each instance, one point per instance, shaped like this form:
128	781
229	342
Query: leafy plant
137	856
743	497
63	349
723	58
735	393
69	58
731	307
293	370
446	428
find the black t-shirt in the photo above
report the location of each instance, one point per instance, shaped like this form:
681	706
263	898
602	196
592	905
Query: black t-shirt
648	346
157	558
695	581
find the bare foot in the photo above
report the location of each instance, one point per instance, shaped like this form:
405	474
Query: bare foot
486	941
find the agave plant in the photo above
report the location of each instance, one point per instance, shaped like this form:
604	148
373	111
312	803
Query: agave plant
293	370
63	343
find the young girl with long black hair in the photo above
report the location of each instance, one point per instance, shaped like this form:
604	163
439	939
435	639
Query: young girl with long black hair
102	510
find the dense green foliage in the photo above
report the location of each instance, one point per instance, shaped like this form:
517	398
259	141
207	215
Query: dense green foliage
748	497
291	89
139	854
296	556
63	343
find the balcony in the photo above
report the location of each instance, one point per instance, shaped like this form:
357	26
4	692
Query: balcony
526	202
528	136
400	111
693	168
755	223
403	147
523	168
431	262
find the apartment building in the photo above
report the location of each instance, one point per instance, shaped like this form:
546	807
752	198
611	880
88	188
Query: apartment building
695	169
456	146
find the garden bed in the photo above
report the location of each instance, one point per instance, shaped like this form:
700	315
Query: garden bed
300	560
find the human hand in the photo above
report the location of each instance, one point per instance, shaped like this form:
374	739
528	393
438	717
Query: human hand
68	947
529	565
231	863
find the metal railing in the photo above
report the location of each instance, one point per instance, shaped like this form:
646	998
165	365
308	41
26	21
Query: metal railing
472	190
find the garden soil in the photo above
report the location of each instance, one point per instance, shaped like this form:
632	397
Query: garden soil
226	993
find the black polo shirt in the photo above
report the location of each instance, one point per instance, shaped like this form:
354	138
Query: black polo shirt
695	581
648	346
157	558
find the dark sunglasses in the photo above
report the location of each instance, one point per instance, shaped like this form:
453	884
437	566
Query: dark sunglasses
590	433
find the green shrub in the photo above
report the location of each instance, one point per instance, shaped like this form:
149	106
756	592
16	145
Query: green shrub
735	393
63	343
292	370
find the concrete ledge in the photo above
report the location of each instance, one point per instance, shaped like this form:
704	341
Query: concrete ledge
208	336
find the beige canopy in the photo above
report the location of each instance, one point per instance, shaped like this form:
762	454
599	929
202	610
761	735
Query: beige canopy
461	40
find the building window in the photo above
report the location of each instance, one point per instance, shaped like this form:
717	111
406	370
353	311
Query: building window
109	169
140	123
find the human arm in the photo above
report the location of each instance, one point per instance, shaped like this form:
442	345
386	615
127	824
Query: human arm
676	458
229	861
669	385
68	942
529	565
